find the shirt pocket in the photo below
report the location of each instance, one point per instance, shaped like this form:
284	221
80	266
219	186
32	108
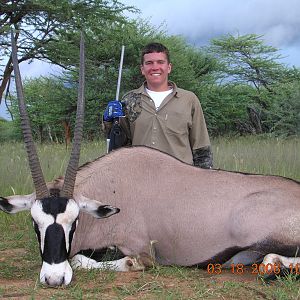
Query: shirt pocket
176	123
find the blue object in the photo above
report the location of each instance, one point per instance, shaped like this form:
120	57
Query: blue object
113	110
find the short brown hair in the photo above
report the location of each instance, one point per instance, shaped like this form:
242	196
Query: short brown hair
155	48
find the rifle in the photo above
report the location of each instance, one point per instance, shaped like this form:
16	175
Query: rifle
112	141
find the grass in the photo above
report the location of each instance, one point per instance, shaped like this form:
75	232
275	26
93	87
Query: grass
15	175
272	156
19	253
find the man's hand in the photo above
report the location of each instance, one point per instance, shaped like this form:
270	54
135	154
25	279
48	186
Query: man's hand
113	110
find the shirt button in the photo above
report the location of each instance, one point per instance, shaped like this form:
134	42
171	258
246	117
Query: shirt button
153	143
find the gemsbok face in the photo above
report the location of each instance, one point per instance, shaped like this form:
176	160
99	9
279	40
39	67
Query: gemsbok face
54	210
54	220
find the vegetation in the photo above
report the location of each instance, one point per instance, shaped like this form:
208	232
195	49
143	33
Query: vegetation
7	131
241	83
257	84
243	89
47	29
19	253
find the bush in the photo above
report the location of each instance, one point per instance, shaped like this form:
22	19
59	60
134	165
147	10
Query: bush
283	118
9	131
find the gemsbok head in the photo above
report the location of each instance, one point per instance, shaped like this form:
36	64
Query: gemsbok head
54	211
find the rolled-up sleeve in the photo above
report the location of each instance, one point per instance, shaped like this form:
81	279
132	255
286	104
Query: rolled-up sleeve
199	138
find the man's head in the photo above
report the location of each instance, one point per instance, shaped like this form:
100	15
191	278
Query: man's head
155	48
156	66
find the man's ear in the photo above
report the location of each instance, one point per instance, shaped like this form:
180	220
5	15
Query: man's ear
142	69
96	208
14	204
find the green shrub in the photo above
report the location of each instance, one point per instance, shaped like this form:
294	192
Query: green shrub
9	131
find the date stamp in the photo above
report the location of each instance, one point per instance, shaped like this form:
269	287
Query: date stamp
255	269
239	269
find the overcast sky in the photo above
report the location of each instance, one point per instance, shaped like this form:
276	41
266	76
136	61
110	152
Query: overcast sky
201	20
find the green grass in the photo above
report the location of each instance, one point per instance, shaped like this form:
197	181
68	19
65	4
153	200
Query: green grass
15	176
19	253
270	156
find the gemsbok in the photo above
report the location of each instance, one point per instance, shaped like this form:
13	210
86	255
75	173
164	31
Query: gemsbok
160	210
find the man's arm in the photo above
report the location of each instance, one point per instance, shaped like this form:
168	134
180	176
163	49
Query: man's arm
199	138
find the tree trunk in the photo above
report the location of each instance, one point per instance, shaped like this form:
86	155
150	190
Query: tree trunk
6	77
49	133
255	119
67	133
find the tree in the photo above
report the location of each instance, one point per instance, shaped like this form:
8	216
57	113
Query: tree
8	131
283	118
40	24
50	104
246	60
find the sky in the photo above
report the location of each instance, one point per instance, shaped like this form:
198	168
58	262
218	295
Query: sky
198	21
201	20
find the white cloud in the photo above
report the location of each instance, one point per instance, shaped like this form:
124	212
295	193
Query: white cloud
201	20
38	68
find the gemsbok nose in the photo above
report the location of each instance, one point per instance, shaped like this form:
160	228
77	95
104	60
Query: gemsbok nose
54	282
56	275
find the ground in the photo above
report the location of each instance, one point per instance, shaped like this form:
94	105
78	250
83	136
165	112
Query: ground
156	283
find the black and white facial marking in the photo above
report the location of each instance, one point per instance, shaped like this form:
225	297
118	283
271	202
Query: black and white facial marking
16	203
55	220
5	205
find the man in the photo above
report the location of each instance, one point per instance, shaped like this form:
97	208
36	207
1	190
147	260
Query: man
161	115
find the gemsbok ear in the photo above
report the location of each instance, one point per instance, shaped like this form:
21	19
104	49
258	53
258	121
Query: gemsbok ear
96	208
14	204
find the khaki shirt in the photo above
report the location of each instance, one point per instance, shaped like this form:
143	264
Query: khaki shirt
177	127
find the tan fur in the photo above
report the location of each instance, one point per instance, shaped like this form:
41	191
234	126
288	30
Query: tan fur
192	214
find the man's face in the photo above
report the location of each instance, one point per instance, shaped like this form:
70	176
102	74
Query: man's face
156	69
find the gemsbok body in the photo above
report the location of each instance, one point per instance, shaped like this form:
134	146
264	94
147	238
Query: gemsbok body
160	209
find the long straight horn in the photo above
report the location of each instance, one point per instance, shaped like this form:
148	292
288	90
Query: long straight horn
34	163
69	182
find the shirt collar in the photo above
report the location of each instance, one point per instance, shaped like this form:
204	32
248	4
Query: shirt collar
142	90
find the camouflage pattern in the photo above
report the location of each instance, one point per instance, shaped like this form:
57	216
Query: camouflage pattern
203	157
133	105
